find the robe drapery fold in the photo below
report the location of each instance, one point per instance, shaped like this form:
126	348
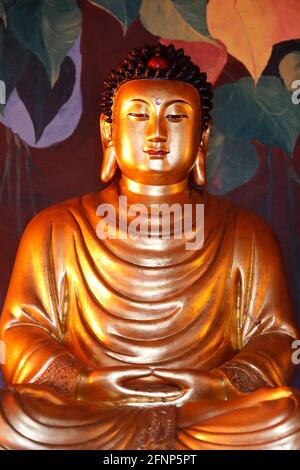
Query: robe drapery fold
79	303
55	422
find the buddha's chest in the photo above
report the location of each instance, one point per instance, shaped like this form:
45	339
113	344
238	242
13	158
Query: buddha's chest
153	319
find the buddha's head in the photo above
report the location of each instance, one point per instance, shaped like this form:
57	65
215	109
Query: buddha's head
155	118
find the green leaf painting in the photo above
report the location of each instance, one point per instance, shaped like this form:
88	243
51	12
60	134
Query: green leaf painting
179	19
13	62
230	163
25	23
264	112
214	153
194	13
48	28
61	24
125	11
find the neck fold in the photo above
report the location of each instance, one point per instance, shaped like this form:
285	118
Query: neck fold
128	185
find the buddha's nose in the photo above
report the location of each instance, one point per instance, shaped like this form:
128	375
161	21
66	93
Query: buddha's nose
157	139
157	132
157	135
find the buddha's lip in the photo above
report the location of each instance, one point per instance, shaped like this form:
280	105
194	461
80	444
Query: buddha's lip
156	152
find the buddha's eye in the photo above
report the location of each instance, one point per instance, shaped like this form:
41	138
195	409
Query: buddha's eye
139	116
176	117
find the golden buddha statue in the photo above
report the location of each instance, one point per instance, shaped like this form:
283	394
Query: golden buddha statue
115	343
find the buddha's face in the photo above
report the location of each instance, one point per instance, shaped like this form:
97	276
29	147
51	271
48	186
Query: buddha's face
156	130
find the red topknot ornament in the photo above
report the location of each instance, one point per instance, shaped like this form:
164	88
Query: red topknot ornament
158	62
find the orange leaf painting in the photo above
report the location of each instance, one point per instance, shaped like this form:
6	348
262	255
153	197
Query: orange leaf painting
209	57
249	28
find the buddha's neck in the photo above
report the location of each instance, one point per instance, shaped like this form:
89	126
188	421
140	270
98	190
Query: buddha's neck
127	185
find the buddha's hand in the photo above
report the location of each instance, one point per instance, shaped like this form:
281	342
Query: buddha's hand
109	385
195	384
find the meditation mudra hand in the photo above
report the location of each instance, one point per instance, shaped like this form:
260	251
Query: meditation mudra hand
119	342
117	384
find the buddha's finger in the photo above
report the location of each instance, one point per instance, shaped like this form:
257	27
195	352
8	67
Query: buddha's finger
131	392
143	402
127	374
180	377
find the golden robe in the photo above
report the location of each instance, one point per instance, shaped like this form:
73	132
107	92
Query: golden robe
76	302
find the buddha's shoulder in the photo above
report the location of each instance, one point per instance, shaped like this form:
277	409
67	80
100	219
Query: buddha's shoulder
247	223
63	213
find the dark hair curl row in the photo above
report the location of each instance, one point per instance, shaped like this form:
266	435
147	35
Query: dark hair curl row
179	67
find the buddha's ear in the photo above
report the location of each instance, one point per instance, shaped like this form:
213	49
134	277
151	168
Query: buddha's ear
199	170
205	138
105	130
109	163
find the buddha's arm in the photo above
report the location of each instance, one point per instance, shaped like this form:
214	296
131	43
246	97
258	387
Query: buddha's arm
263	319
34	318
33	356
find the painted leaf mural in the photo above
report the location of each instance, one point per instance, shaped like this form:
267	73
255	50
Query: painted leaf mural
44	115
264	112
61	24
51	99
125	11
13	61
287	20
249	29
214	153
194	13
25	25
48	28
231	162
289	69
182	20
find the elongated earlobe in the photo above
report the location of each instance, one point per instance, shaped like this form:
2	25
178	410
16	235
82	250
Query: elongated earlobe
199	172
109	164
